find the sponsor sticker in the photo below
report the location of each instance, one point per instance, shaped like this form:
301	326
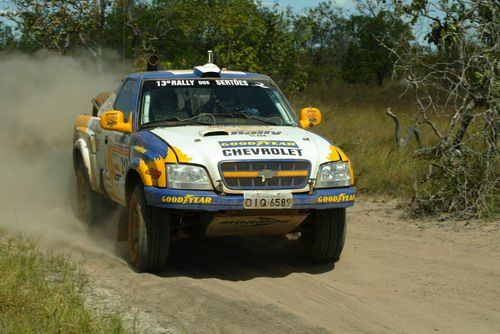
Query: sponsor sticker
196	83
256	133
181	82
235	152
233	82
258	143
187	199
336	198
255	222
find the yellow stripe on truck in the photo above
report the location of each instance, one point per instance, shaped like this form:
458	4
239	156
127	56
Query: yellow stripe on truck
251	174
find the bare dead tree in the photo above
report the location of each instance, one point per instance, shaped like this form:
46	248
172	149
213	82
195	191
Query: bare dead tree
459	81
412	130
148	35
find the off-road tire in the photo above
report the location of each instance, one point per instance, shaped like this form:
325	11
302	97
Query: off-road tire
148	233
90	205
325	237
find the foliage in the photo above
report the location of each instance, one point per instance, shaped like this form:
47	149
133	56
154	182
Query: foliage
61	25
7	40
322	38
367	60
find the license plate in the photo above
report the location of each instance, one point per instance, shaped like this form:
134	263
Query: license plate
267	200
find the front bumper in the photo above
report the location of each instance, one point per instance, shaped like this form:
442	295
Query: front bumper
199	200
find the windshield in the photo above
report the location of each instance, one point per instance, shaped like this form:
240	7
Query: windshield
213	101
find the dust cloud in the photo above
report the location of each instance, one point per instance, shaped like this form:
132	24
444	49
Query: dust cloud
40	97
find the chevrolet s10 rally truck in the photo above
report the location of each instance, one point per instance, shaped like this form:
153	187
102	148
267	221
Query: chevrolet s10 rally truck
210	152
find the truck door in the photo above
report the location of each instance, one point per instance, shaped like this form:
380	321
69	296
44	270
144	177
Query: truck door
117	145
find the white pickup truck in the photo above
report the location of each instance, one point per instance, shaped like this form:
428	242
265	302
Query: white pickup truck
210	152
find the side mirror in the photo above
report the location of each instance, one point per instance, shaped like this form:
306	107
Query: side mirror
114	120
310	117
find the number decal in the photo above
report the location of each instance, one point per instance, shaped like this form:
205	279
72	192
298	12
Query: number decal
161	83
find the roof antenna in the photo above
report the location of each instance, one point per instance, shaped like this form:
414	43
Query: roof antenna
210	57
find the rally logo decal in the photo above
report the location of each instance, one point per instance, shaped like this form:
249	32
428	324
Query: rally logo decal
192	83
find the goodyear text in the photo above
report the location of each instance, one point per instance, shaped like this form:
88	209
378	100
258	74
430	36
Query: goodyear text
337	198
187	199
258	143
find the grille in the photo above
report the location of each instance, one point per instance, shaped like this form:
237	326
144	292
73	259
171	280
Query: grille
259	175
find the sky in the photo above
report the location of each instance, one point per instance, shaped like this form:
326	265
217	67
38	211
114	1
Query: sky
299	5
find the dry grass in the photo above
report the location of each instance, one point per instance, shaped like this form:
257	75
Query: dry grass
354	118
42	293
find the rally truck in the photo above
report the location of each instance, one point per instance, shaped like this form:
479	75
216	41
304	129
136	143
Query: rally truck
210	152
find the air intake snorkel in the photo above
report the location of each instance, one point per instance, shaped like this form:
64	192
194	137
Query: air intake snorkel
153	62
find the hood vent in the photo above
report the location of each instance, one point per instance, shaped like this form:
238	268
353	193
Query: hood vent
216	133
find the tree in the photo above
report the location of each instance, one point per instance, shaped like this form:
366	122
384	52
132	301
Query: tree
62	25
7	40
322	32
367	59
462	173
150	22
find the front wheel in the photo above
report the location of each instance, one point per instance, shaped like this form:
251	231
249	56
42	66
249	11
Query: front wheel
324	236
148	233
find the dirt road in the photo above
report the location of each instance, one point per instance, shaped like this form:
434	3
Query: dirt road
394	277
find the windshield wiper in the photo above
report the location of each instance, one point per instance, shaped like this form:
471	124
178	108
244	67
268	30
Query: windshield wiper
238	114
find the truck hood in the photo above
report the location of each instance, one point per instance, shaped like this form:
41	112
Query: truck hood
210	145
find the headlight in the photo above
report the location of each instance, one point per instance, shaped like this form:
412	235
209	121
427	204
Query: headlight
187	177
333	174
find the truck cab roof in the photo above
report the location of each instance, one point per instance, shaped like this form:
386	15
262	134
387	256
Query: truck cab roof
191	74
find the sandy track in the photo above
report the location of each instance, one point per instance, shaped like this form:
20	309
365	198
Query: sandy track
394	277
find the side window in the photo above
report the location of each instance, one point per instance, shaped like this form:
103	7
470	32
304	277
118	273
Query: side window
125	99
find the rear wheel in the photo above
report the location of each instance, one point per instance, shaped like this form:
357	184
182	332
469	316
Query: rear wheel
324	236
90	203
148	233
